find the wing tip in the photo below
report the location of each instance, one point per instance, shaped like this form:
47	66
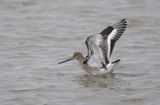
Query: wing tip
116	61
124	21
121	24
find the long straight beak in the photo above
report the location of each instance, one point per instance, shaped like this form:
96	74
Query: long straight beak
66	60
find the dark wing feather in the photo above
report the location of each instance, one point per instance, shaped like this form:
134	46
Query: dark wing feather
120	27
107	31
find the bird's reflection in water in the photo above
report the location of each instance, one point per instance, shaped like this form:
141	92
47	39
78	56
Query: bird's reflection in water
107	81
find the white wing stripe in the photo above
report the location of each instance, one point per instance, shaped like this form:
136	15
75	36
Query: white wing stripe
108	52
110	36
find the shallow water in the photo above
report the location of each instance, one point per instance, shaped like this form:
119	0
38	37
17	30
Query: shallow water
36	34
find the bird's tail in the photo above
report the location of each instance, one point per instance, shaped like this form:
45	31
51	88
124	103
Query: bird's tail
116	61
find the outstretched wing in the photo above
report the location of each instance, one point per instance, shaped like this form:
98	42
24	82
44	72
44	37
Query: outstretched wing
119	28
100	46
112	34
95	54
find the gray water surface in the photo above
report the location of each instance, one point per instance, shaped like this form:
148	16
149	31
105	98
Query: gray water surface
36	34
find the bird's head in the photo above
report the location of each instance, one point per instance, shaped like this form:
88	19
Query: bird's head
77	56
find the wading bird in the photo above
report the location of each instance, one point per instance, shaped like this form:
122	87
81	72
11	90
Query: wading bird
99	50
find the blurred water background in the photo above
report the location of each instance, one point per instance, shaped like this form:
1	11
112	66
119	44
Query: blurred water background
36	34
